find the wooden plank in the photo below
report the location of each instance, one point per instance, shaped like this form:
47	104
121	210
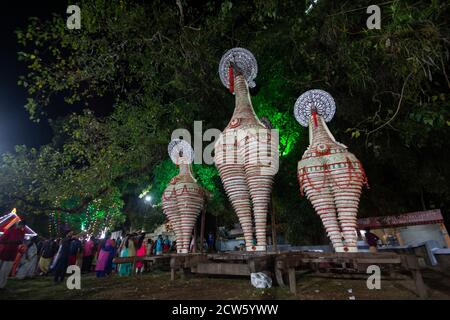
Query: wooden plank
300	260
223	269
229	257
305	261
353	275
288	262
410	262
379	261
120	260
192	261
158	262
240	256
348	255
176	261
261	264
252	266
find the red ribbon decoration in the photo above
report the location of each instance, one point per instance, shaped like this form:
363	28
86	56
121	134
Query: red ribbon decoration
365	179
231	78
314	114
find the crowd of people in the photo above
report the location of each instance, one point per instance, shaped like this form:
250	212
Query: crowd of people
22	258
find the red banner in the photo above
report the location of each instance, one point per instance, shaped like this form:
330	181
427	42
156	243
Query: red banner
407	219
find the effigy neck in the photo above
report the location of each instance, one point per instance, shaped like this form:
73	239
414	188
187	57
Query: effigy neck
185	175
243	105
319	132
185	169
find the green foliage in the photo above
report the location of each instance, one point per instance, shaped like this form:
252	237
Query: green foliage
162	174
267	104
93	220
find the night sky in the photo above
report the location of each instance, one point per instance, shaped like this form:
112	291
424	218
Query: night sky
15	126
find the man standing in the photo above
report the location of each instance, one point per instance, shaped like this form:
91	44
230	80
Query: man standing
372	240
75	249
62	258
47	254
9	246
210	241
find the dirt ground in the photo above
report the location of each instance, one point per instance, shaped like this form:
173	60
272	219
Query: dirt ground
157	285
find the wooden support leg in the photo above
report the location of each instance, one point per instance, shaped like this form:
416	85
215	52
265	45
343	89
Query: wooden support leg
292	281
252	266
202	230
421	289
279	277
411	262
133	270
172	274
391	271
279	273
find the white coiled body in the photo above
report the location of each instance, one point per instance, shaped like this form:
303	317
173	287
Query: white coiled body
246	155
182	202
332	179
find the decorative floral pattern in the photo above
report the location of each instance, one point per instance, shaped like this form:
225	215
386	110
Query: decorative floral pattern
314	100
241	59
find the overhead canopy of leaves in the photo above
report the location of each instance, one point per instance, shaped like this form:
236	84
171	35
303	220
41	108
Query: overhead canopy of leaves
157	62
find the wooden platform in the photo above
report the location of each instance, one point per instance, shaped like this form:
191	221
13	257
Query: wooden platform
231	264
283	266
149	261
348	265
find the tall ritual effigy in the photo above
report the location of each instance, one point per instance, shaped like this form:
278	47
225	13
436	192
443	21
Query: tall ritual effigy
328	173
246	153
183	199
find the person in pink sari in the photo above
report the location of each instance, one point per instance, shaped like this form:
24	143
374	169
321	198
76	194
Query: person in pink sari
141	252
104	258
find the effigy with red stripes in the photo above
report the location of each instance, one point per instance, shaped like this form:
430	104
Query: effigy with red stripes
246	153
331	177
183	199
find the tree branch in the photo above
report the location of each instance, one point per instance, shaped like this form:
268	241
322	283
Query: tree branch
396	111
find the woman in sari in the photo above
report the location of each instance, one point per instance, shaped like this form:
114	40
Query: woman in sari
21	251
141	252
28	262
131	246
125	268
159	245
104	257
110	266
166	245
61	261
